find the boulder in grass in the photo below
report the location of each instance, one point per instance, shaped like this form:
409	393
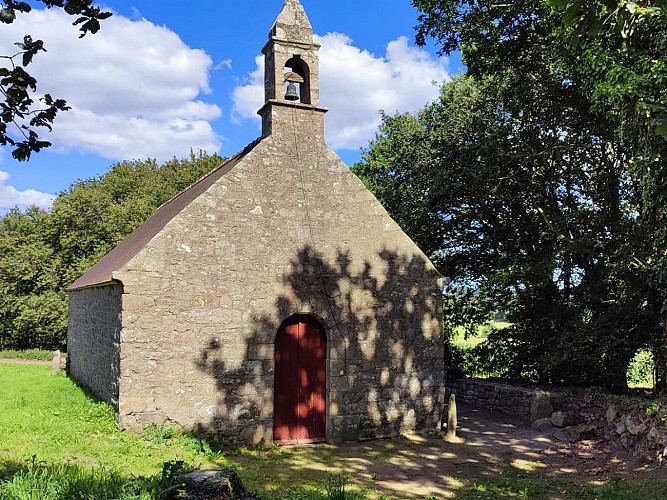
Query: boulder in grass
215	484
56	364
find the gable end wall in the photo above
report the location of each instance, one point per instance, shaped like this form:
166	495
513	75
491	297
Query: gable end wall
289	230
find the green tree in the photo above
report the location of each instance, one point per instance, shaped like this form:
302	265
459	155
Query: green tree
622	60
21	118
30	310
530	195
515	203
591	18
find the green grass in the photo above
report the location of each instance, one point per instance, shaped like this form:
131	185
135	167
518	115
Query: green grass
28	354
64	481
57	442
481	332
52	419
512	485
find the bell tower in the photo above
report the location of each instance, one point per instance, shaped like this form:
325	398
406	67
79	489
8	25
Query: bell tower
291	72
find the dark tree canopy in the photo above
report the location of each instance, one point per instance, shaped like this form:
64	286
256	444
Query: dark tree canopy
537	183
22	119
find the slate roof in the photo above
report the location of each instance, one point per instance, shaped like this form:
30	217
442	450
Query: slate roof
102	272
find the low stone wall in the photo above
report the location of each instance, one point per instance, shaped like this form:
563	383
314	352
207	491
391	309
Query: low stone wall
637	431
495	396
628	425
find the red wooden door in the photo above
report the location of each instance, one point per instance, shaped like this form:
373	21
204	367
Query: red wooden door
300	382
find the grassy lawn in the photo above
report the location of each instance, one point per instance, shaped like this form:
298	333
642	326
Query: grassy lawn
481	334
53	420
45	419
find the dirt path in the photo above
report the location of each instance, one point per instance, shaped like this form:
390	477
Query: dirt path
495	447
11	361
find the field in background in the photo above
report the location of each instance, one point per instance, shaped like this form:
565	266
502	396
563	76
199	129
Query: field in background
28	354
639	374
482	333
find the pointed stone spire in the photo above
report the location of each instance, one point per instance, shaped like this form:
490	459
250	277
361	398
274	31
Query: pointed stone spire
292	24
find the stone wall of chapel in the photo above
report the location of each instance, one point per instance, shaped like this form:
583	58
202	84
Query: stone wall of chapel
289	230
93	336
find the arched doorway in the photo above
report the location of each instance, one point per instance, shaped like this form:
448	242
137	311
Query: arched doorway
299	408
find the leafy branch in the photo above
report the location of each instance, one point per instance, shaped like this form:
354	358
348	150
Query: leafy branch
21	118
590	17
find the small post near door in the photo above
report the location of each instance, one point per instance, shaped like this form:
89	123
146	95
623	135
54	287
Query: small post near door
299	412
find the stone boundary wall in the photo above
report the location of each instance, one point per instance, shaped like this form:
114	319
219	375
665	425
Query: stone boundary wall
624	423
93	336
495	396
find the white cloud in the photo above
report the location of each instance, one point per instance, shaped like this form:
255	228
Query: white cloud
10	197
355	84
249	98
224	64
133	87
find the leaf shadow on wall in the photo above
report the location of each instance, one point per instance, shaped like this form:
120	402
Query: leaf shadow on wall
385	348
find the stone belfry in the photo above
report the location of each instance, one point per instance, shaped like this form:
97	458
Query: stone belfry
292	56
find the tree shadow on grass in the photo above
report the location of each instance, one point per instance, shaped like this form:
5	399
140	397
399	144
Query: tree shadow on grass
499	458
10	467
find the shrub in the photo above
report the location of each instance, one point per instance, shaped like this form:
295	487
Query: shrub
641	369
464	360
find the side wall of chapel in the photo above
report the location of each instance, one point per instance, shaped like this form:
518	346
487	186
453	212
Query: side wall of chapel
93	339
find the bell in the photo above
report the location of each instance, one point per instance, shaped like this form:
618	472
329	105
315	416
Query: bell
291	94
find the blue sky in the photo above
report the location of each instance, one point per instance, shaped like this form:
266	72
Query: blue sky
164	76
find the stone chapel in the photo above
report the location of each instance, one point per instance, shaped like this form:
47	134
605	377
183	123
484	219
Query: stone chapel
274	300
